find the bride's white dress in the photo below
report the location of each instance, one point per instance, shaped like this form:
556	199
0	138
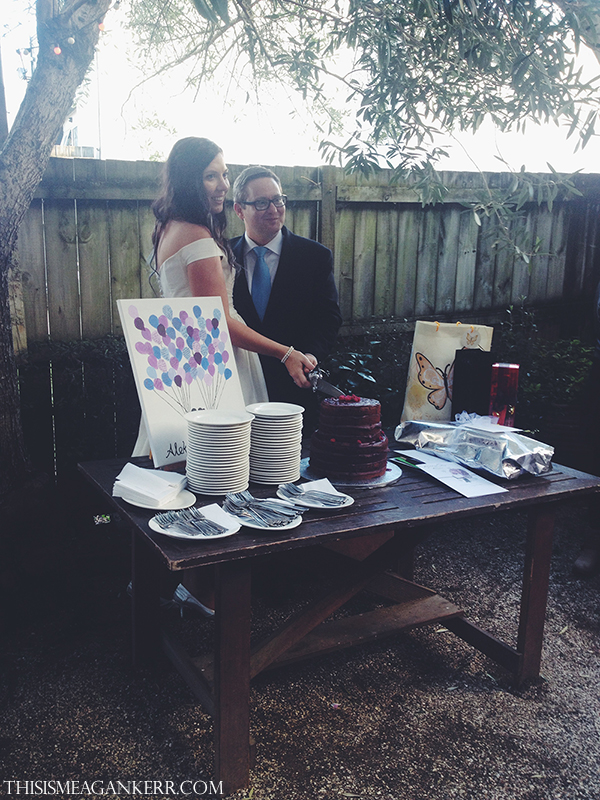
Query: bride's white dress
174	282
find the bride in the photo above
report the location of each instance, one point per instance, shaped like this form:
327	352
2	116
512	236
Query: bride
193	259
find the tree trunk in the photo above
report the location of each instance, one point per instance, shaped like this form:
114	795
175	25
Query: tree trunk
67	43
3	116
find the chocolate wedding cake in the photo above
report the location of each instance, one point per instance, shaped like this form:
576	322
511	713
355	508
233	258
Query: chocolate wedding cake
349	442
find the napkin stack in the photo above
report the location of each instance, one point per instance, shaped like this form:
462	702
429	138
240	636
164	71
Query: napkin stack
148	487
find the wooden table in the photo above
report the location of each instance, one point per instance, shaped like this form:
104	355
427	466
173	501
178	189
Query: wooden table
381	528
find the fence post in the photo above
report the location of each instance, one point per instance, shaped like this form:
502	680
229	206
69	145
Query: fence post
328	205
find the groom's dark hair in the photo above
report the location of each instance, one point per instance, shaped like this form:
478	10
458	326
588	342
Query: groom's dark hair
240	186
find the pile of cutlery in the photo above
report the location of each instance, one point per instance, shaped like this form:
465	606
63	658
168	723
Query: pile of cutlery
294	492
270	513
190	521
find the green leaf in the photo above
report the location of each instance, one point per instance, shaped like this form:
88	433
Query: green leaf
205	10
222	9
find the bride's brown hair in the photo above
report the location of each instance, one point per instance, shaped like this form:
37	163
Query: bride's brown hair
183	196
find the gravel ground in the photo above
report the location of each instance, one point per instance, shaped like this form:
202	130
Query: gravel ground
420	716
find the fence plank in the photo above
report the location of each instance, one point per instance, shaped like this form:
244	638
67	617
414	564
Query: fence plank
429	244
365	235
94	267
591	266
386	250
447	261
406	260
556	261
344	261
33	273
468	235
542	229
124	255
149	282
505	265
328	179
63	279
484	269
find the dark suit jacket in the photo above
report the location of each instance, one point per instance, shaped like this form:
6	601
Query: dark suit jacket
303	309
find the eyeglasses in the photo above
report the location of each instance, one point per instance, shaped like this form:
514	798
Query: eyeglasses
263	203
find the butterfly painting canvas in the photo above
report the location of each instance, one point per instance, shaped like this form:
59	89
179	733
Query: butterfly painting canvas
430	382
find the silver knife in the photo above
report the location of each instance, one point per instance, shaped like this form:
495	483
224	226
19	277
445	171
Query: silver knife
319	384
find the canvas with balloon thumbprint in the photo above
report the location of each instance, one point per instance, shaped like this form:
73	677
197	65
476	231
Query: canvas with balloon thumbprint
182	360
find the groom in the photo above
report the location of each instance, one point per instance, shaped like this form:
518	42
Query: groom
302	301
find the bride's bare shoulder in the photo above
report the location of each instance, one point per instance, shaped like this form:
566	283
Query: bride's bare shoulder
178	234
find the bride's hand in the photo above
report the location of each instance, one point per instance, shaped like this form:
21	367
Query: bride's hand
298	365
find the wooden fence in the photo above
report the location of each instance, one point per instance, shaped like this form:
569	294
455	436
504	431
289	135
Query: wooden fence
86	239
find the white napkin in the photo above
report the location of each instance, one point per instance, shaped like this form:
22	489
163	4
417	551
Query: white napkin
148	486
322	485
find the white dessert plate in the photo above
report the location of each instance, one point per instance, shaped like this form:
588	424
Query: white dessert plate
212	440
273	427
216	463
213	417
274	409
213	512
322	485
273	480
184	499
293	524
276	460
221	487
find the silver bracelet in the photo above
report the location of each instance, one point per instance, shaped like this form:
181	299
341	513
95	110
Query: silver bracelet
287	355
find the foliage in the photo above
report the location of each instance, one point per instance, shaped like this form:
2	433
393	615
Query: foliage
552	372
506	206
373	364
385	79
404	70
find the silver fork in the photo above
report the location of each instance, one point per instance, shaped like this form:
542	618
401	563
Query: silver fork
166	523
289	510
264	516
189	522
240	508
292	490
197	515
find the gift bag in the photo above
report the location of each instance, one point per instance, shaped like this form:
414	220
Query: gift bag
431	368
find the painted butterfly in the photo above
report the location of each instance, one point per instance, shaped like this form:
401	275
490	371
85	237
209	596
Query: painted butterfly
438	380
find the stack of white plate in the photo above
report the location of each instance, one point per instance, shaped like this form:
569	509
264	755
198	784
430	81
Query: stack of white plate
276	442
218	451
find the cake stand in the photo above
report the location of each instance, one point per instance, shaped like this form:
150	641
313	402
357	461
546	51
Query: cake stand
391	475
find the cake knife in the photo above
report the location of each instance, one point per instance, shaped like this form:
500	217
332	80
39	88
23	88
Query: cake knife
319	384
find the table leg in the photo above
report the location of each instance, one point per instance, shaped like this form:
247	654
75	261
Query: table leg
232	675
145	604
534	596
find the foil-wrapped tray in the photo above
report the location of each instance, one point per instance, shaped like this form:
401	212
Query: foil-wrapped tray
503	453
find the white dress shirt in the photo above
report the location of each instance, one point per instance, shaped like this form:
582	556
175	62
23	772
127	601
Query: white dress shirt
271	256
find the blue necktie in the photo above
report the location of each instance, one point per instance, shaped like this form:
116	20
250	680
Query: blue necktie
261	282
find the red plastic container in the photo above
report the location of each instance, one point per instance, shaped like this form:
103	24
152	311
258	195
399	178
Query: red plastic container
503	393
